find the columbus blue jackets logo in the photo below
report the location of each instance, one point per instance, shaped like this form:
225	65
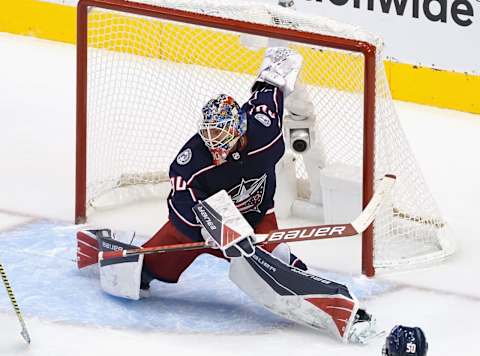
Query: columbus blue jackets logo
248	195
184	157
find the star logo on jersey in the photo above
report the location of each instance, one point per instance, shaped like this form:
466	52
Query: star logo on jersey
248	195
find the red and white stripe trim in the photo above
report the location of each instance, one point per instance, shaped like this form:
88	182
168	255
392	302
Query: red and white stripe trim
275	92
250	102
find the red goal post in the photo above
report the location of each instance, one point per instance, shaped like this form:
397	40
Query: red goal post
281	32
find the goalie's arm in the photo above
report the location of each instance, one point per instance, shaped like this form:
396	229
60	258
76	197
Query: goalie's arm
183	197
276	79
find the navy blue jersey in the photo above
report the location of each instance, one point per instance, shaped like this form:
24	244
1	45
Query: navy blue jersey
248	175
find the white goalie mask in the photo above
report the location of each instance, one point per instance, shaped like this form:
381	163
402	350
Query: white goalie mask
222	125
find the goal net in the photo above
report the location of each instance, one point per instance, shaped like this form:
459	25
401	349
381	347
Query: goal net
146	69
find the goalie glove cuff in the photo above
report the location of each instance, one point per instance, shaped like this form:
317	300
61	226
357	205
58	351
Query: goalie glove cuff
271	77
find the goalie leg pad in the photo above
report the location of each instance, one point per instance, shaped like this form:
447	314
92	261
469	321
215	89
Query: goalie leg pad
120	277
87	246
295	294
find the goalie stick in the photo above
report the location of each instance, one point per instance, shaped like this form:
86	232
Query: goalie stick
24	332
317	232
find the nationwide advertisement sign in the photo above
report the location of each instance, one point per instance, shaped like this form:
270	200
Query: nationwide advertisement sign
441	34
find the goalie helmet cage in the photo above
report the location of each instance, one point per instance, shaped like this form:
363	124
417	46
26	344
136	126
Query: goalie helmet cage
144	70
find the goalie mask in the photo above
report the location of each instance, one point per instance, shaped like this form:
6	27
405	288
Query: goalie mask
405	341
222	125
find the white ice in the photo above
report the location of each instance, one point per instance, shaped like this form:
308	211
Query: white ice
37	155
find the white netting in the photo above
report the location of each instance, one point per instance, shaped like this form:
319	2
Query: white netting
148	79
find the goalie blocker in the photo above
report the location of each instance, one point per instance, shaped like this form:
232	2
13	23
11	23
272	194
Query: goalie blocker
224	227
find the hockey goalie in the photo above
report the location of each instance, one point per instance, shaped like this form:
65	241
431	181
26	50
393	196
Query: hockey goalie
228	169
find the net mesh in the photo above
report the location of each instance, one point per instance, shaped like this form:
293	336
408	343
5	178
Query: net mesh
148	79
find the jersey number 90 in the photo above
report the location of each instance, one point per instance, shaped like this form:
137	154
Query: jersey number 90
178	184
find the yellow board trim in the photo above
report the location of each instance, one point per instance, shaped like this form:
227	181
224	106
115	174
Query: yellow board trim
429	86
39	19
421	85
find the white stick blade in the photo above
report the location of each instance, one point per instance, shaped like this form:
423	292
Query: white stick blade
368	214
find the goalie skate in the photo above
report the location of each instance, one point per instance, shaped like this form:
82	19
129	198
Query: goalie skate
364	328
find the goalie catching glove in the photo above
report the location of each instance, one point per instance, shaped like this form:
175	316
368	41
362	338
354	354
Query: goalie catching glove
224	227
280	67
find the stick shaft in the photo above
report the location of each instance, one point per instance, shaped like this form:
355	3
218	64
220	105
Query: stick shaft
307	233
106	255
6	283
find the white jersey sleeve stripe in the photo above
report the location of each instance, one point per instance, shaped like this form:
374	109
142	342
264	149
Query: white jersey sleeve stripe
192	194
200	172
181	217
275	92
266	146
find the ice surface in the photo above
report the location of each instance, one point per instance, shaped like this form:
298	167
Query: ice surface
40	258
